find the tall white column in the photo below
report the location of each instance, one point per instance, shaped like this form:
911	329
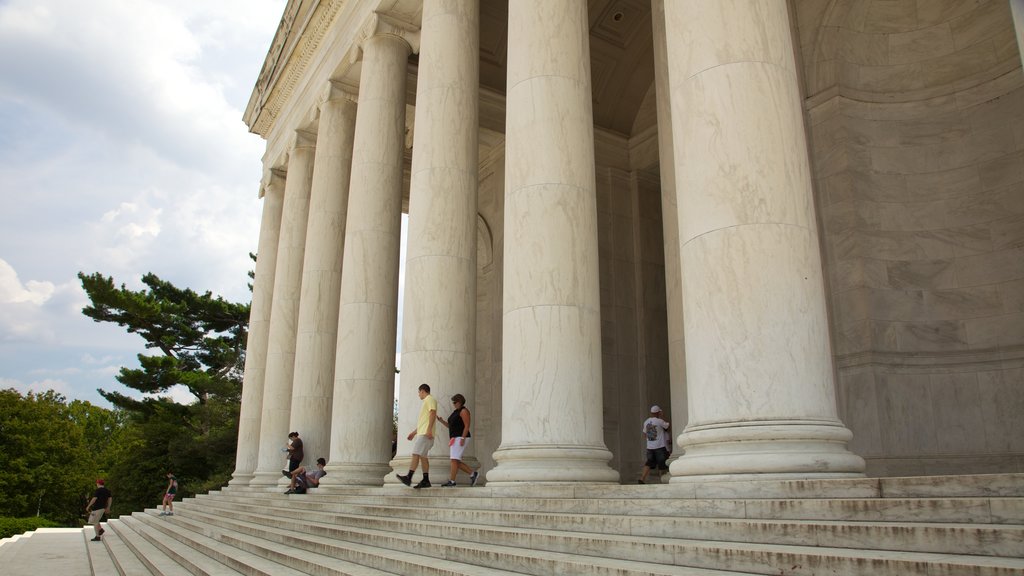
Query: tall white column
364	377
277	395
759	371
670	231
439	320
247	450
317	332
552	422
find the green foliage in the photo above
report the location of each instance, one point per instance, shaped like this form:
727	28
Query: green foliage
200	342
52	453
12	526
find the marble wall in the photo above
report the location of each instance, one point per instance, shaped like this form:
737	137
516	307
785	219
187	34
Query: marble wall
916	114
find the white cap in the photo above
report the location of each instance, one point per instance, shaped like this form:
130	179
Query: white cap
655	409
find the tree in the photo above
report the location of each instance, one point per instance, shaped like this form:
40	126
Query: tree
52	453
200	344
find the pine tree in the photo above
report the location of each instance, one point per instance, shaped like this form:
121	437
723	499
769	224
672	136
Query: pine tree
199	343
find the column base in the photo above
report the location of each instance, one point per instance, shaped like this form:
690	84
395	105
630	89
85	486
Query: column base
354	474
240	479
553	464
768	450
268	479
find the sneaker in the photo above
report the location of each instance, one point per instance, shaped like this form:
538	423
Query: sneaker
163	513
407	480
474	477
97	539
286	473
170	513
423	484
101	532
289	491
640	482
449	484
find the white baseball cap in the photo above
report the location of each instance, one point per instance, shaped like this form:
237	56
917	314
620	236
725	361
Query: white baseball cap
655	409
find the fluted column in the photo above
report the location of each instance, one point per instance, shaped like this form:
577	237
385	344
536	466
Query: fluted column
670	232
759	372
277	396
251	410
317	332
439	317
552	422
364	377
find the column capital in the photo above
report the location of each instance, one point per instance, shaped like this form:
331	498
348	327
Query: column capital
272	178
338	90
383	25
304	138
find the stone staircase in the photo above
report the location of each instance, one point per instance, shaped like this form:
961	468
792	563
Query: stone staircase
938	526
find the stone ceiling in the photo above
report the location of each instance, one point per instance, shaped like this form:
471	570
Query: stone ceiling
621	56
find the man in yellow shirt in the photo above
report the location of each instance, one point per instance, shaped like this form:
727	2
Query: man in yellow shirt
423	438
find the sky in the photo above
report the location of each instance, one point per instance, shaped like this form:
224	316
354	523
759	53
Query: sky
122	151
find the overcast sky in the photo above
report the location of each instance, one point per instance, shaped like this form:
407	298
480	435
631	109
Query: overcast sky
122	151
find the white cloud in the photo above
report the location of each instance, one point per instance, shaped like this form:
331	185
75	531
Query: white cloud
12	291
122	151
37	387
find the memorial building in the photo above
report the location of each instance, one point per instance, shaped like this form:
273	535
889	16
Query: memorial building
797	226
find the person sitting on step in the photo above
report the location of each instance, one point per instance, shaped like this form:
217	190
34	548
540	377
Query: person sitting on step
302	480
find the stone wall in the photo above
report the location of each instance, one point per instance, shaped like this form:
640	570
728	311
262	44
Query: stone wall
916	113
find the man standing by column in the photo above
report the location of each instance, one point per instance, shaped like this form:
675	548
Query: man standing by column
654	432
424	438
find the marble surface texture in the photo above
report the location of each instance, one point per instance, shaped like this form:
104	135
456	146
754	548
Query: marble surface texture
251	410
317	330
277	389
439	325
367	321
551	372
758	366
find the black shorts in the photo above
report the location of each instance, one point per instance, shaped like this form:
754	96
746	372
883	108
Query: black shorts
657	458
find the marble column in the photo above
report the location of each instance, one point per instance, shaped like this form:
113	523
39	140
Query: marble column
552	421
364	376
758	364
277	395
439	317
677	415
247	450
317	332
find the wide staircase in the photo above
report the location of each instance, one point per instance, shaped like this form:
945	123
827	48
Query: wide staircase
935	526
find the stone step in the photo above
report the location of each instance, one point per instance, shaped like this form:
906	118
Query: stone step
238	560
967	486
514	546
955	510
55	550
9	546
432	554
276	553
158	562
122	555
979	539
100	561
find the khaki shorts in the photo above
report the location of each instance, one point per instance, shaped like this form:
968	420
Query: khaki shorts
96	515
421	445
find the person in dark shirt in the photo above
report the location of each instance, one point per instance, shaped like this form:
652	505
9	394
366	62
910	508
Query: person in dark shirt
458	432
295	454
98	506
